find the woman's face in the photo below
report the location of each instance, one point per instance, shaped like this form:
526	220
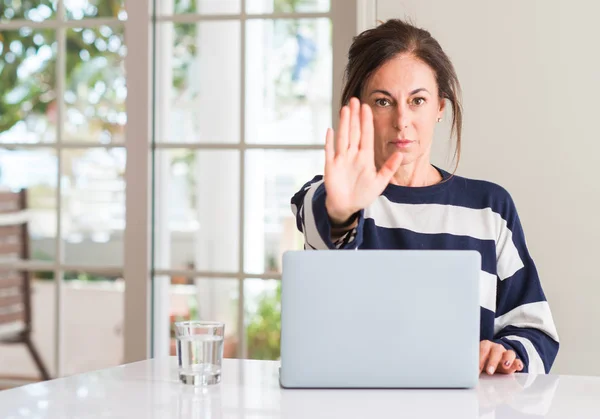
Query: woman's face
403	95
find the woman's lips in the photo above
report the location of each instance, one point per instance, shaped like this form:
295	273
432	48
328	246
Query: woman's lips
402	143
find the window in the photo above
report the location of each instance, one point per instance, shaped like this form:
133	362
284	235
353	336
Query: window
188	143
244	97
62	119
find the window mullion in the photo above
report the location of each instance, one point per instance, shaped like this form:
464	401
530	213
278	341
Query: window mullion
242	350
61	54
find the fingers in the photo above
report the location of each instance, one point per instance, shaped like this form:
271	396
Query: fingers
485	346
505	366
388	169
494	358
355	125
366	130
516	366
329	148
519	365
341	146
350	134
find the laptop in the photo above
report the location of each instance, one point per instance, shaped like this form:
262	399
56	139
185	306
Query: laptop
380	319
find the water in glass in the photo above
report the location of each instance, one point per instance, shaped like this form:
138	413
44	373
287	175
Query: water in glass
200	358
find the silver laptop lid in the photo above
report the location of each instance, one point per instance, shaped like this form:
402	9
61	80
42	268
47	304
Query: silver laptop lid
380	318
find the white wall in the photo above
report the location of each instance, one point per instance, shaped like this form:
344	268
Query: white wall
530	72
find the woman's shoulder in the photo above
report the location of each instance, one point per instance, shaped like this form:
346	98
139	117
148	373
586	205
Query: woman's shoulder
480	193
481	186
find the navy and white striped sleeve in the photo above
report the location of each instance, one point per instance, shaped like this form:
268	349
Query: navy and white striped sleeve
308	206
523	321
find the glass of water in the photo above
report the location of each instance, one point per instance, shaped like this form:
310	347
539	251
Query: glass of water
199	351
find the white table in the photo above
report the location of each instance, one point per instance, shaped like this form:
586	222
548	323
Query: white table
250	389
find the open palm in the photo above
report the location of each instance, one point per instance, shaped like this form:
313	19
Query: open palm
352	181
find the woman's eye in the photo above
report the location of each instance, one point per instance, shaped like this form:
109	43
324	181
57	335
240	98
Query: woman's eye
382	102
419	101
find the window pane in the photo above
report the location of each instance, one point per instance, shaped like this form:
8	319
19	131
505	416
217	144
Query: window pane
212	299
36	11
197	210
200	6
199	92
27	86
93	206
288	81
287	6
15	360
80	9
93	314
39	179
95	88
273	178
262	311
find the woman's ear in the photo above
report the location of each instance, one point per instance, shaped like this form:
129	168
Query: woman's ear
442	108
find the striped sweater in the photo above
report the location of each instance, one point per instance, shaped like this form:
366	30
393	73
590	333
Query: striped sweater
457	213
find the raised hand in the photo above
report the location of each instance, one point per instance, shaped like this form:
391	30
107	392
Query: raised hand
352	181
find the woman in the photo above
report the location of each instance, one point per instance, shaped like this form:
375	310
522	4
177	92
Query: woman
380	191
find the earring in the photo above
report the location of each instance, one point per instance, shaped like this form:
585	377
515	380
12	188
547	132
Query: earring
439	119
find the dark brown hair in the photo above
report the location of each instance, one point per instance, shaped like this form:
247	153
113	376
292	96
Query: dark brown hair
374	47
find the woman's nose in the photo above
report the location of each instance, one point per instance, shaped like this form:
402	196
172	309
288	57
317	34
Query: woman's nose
401	118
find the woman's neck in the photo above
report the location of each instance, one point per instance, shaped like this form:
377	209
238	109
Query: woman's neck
416	174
